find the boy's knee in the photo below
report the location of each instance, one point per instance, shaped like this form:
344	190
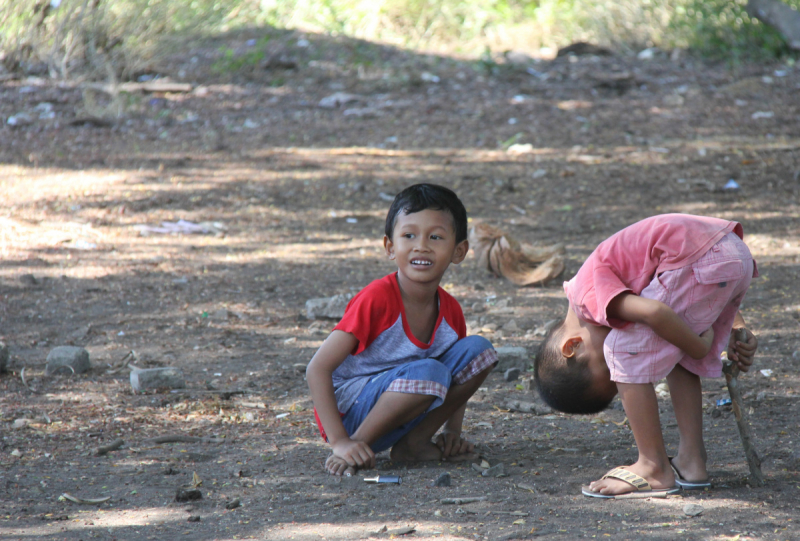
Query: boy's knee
430	370
476	344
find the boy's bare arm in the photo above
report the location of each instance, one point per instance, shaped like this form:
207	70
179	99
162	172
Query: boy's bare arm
664	322
319	374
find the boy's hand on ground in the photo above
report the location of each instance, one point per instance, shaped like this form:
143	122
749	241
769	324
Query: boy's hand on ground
708	339
742	353
356	453
452	444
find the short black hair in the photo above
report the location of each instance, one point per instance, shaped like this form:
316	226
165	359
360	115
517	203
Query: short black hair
565	384
429	196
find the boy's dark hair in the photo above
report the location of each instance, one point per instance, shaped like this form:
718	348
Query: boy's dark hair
564	383
429	196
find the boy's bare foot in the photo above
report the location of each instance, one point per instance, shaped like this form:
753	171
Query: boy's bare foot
404	451
408	451
658	480
338	466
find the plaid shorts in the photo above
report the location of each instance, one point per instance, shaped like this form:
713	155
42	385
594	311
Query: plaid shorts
463	361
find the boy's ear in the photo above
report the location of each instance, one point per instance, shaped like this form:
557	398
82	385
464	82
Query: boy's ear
462	248
388	245
570	347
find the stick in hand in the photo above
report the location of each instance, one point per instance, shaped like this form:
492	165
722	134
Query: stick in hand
731	371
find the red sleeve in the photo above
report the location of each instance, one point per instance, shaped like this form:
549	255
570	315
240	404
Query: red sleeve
373	310
452	313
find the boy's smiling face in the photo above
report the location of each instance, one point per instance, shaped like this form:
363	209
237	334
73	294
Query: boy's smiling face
424	244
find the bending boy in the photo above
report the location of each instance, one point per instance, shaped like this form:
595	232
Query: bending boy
657	299
399	365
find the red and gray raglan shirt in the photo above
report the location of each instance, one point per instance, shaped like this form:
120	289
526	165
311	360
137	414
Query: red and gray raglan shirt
376	317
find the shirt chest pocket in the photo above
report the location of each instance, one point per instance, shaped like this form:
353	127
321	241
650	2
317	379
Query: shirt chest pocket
714	287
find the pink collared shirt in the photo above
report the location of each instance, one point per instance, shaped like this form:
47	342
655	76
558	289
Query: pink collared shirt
629	259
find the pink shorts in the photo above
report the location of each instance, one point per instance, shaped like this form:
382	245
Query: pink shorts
705	294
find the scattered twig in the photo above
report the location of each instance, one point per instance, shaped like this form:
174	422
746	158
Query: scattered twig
70	497
180	438
210	391
25	383
459	501
91	121
53	412
125	362
62	366
151	86
113	446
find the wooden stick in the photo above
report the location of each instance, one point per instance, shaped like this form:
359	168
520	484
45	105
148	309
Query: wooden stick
731	371
181	438
113	446
150	86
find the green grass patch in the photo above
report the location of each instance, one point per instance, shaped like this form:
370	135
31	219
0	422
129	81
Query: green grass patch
118	38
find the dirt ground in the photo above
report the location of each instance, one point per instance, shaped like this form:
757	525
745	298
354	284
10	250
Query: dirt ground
299	193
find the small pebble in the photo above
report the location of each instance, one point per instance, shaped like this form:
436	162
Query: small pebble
498	470
478	307
442	481
233	504
692	509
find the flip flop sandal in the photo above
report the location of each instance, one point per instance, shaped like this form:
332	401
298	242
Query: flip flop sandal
639	483
688	485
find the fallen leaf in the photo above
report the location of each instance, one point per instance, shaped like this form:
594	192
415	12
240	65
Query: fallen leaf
504	256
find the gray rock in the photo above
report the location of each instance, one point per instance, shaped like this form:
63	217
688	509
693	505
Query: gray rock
20	423
512	357
327	307
692	509
29	280
20	119
3	357
498	470
512	374
511	326
528	407
188	494
337	99
67	360
442	481
157	378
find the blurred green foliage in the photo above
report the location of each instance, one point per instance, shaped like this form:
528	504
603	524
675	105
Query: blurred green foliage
118	38
722	29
